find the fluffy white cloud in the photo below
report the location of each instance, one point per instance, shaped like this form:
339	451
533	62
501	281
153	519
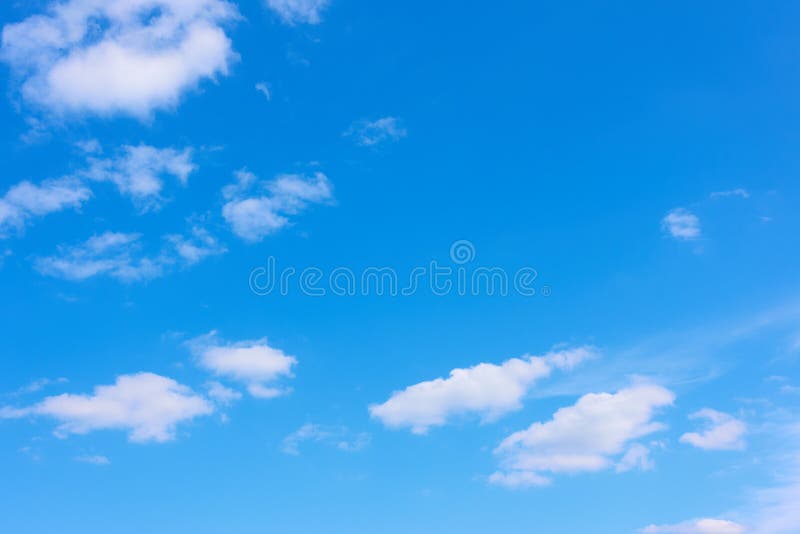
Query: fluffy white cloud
486	389
139	172
337	436
681	224
118	56
147	406
299	11
587	436
723	432
697	526
25	201
113	254
254	363
254	217
370	133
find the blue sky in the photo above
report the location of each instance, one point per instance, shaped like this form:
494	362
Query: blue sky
599	203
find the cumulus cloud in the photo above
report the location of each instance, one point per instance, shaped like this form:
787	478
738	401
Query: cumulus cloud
26	201
113	254
486	389
723	431
370	133
253	363
587	436
299	11
139	172
697	526
336	436
147	406
255	215
681	224
108	57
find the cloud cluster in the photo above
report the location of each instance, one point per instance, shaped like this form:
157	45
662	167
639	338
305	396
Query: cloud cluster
253	215
147	406
587	436
486	389
108	57
253	363
723	432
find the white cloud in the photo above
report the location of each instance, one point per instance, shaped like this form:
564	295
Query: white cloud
110	57
117	255
738	192
299	11
25	201
253	363
147	406
139	171
94	460
681	224
370	133
697	526
336	436
254	217
486	389
724	432
587	436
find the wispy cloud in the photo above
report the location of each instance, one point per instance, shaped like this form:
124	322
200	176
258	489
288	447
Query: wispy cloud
371	133
94	460
335	436
121	256
697	526
263	88
26	201
738	192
